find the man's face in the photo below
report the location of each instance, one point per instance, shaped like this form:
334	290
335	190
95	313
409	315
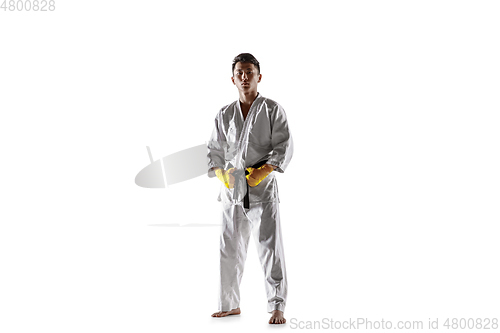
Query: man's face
245	76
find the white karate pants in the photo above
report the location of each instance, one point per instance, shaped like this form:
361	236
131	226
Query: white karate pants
263	221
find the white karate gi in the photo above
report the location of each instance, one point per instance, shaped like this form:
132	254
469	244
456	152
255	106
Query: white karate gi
242	143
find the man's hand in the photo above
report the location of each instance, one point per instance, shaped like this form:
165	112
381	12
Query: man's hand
255	176
226	176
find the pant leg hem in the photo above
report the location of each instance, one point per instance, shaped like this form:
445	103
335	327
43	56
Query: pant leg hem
276	306
229	307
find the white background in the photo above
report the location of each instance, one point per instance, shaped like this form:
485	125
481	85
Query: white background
389	207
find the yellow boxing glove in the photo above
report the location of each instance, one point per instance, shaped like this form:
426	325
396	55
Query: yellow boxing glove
226	177
255	176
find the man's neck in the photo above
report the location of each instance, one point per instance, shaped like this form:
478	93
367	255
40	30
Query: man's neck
248	98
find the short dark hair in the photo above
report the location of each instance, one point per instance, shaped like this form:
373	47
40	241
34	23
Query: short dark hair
246	57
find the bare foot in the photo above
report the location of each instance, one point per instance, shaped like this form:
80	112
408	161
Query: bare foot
227	313
277	317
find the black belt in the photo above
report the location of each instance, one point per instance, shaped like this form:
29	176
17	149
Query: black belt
246	199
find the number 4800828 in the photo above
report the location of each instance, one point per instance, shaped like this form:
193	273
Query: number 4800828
28	5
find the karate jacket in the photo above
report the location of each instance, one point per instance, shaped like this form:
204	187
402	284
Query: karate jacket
241	143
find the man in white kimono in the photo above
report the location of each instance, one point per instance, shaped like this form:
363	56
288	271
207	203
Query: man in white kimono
251	141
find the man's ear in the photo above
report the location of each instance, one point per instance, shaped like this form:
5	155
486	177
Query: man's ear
260	77
232	79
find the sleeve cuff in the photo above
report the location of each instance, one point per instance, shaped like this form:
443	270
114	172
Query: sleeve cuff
276	164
